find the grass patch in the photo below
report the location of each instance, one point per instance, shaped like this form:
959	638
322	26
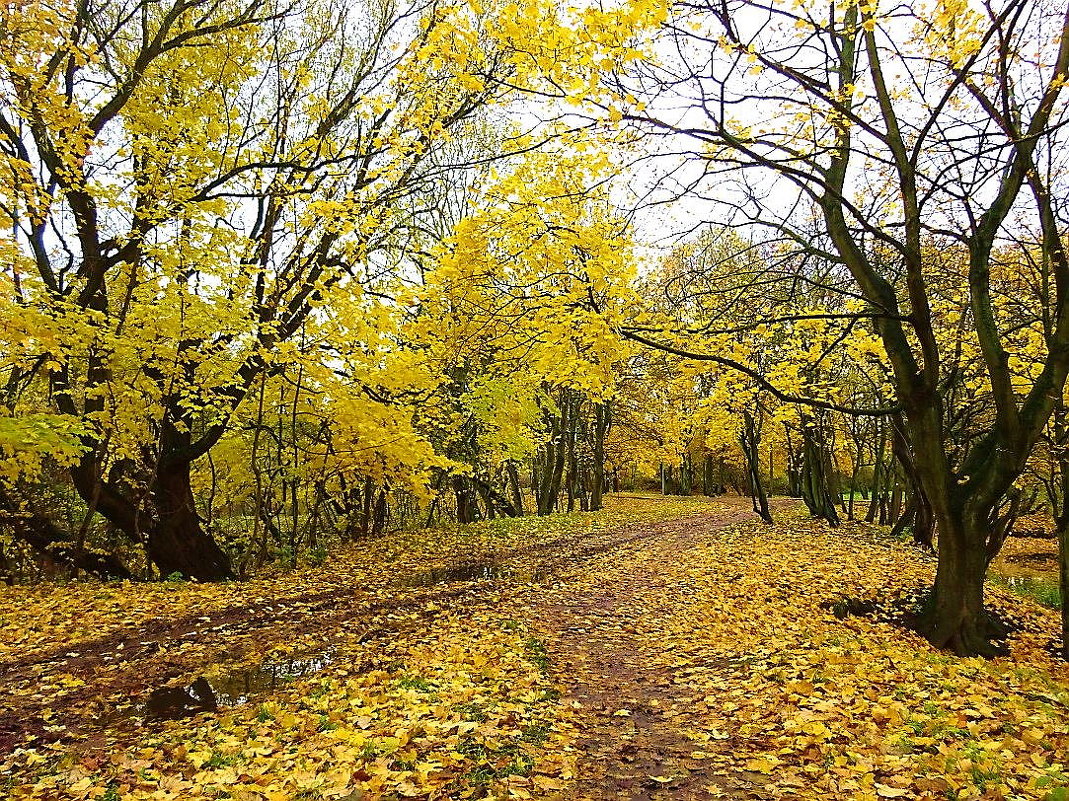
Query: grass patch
1042	590
536	653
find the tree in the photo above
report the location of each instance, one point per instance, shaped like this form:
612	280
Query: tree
503	309
904	131
189	185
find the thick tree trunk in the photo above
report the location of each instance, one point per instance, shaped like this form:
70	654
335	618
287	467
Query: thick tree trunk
954	616
382	513
467	506
177	543
816	478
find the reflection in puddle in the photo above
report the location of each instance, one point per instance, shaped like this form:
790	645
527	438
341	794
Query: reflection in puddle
236	688
472	571
1024	582
232	688
171	703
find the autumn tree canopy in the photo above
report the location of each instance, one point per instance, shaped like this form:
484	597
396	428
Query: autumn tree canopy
275	276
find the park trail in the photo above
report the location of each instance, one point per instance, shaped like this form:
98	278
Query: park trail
641	736
596	601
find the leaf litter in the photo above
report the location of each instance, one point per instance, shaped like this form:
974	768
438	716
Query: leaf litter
668	650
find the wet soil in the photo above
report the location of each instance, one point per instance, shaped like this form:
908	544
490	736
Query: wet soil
637	715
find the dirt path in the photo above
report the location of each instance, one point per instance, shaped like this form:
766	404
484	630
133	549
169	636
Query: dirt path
66	691
598	604
640	738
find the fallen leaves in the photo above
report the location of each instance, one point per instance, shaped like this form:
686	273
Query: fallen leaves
858	708
697	657
429	690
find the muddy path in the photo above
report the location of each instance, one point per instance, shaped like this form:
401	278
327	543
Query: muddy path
76	692
640	739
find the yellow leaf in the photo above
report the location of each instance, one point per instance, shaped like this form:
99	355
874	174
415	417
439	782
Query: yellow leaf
886	791
764	764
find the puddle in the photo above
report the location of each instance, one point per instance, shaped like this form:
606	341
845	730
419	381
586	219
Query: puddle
171	703
237	687
1039	561
1040	587
472	571
1025	582
226	689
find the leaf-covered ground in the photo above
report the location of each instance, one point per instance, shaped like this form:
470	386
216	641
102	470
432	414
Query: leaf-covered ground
664	648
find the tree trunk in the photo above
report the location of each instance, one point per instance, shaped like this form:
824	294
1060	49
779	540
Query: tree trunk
1063	583
177	543
954	615
571	477
40	533
555	452
923	522
750	439
794	472
514	487
382	513
1062	521
601	426
467	506
906	519
896	504
815	474
878	472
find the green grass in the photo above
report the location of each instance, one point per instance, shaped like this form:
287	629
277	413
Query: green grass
1045	591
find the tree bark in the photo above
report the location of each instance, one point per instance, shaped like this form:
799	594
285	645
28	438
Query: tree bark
41	534
177	543
601	427
815	473
514	487
1063	582
750	439
1061	517
954	615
